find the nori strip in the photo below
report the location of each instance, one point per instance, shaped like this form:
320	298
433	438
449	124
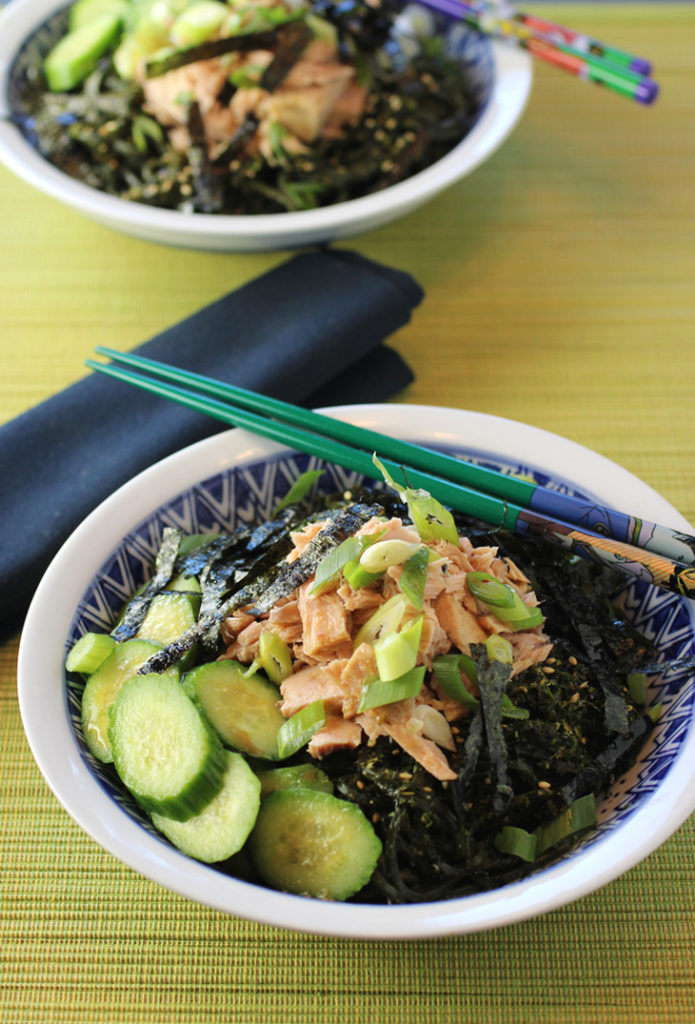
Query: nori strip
207	184
343	524
592	776
493	677
291	41
136	610
160	64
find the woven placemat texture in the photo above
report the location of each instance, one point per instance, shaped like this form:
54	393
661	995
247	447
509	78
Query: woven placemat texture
559	291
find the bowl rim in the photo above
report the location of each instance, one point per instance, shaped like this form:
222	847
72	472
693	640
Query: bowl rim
62	764
513	80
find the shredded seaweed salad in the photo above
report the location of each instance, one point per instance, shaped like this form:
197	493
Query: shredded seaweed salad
526	778
233	138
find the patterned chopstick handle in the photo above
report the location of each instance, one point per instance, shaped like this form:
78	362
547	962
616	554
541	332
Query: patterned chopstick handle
613	554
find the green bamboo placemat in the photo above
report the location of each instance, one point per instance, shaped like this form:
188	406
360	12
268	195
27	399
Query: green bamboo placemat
559	282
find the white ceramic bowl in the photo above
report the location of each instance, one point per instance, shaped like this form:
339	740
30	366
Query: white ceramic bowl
205	486
502	77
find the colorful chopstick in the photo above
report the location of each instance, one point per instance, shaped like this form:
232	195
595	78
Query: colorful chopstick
609	67
582	43
637	562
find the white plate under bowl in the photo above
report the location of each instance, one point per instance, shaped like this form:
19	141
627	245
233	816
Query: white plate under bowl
236	474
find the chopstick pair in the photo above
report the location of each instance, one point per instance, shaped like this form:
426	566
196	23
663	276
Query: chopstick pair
615	539
571	51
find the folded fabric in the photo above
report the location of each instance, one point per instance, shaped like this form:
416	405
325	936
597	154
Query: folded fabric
309	331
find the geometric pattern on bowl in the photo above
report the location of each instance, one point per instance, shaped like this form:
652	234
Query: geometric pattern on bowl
248	494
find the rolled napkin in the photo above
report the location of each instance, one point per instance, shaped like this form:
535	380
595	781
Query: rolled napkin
310	331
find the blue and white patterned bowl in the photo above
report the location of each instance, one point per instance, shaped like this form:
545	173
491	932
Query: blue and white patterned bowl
235	477
501	74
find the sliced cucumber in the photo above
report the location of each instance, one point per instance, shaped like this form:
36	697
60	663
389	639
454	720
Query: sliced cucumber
223	826
102	687
164	751
198	22
76	55
302	776
185	584
84	11
242	709
313	844
168	617
88	653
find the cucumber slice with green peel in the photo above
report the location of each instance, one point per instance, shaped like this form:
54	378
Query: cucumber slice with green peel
84	11
198	22
223	826
75	57
295	776
102	687
241	708
313	844
169	616
185	585
89	652
163	749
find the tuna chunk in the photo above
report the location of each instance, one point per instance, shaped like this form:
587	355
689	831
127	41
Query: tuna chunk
337	734
325	622
316	682
460	625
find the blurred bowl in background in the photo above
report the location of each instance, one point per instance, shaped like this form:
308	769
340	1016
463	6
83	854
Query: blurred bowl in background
501	78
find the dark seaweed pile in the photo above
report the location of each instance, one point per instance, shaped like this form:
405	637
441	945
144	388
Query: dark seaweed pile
418	109
582	729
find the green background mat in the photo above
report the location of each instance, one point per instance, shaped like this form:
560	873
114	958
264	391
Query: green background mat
560	290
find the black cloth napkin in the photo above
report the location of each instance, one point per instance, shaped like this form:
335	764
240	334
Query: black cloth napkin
309	331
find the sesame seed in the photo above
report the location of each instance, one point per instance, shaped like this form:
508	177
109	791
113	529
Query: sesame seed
360	784
544	785
572	660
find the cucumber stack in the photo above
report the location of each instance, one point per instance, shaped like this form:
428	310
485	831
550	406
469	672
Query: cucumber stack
197	747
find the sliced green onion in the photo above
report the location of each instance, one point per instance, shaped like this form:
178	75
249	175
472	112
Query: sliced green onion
654	714
499	649
517	842
414	576
299	489
637	685
381	556
397	653
296	732
511	710
431	520
379	691
358	577
448	668
330	567
274	656
386	619
509	609
87	653
580	815
490	590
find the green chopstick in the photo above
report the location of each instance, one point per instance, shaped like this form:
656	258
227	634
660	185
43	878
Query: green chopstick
584	513
501	513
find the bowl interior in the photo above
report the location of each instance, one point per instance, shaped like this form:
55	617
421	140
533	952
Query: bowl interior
248	493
